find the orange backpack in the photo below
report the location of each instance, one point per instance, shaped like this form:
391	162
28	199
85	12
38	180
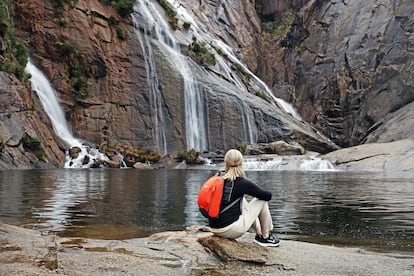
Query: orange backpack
209	197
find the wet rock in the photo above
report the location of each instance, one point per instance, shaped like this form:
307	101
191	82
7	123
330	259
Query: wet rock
348	75
74	152
140	165
390	157
86	160
28	252
277	147
231	250
20	117
114	161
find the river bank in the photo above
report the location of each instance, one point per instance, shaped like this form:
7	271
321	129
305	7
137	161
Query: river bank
190	252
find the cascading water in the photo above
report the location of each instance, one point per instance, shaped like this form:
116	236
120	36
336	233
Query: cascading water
153	84
287	107
248	123
148	18
150	21
228	52
50	103
288	163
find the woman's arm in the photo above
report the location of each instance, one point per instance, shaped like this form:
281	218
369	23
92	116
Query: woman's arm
245	186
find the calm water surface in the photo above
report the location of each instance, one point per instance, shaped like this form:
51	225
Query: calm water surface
372	210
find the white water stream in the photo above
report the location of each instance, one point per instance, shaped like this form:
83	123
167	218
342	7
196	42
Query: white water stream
148	18
50	103
204	35
149	21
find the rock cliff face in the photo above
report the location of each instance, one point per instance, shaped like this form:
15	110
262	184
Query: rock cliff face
102	79
346	66
27	137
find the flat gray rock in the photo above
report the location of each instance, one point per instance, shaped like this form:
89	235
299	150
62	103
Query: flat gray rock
190	252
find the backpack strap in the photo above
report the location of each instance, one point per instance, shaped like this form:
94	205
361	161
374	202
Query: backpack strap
230	205
234	202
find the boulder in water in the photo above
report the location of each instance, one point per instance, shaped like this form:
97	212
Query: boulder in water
74	152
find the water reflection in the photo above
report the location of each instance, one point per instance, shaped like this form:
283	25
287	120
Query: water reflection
104	203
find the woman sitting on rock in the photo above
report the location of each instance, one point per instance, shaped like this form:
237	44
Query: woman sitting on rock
236	220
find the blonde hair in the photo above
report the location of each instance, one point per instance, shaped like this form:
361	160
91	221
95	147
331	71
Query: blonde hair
234	164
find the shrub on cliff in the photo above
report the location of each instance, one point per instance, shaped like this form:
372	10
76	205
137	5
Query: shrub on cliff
189	156
13	55
123	7
200	52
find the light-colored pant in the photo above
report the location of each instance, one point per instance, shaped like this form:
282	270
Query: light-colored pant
256	213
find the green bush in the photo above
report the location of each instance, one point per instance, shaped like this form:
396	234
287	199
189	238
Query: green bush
66	48
186	25
14	53
200	53
279	30
263	96
120	33
4	23
189	156
113	20
78	78
35	146
122	7
61	3
243	148
77	71
171	13
61	21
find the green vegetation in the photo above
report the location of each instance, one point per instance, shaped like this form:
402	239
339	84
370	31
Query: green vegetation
243	148
282	30
35	146
120	33
67	49
123	7
189	156
199	52
13	55
61	3
113	20
171	13
263	96
131	154
77	71
186	25
61	22
245	75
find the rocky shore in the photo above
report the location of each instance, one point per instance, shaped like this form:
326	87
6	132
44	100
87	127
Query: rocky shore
191	252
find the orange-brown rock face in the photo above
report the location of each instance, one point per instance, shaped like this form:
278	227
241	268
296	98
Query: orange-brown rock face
27	138
98	64
94	63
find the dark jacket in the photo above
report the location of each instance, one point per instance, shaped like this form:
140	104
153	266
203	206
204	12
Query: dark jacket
241	187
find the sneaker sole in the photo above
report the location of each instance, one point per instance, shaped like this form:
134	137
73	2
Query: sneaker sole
267	244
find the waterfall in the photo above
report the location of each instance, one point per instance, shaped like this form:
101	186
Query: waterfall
248	123
219	44
285	106
154	86
147	17
50	103
288	163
